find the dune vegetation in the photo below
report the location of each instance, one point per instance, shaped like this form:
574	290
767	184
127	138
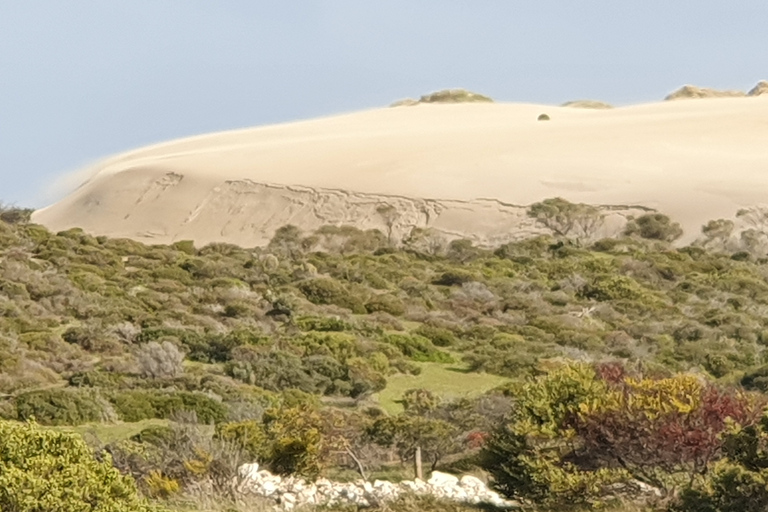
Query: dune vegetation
621	372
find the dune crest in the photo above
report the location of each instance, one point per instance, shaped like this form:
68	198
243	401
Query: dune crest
466	170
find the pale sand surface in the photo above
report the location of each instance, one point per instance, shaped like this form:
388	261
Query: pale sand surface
693	160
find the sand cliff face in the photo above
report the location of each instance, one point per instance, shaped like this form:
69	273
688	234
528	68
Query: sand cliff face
247	213
465	170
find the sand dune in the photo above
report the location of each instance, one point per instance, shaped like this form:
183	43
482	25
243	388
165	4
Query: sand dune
464	169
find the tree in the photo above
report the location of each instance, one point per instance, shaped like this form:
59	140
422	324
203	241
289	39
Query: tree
718	234
426	241
566	219
43	470
389	215
654	226
287	242
405	433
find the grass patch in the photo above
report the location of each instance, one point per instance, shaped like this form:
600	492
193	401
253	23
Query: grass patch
107	433
446	380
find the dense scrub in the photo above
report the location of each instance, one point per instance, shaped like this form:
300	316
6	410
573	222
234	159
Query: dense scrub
282	349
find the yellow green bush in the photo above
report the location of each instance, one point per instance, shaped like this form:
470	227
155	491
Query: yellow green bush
43	470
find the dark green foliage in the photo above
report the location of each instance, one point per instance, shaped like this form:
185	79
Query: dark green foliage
654	226
137	405
328	291
454	278
63	407
15	215
156	435
417	348
440	337
756	379
386	303
322	324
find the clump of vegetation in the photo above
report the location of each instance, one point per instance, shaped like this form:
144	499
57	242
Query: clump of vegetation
578	431
445	96
587	104
654	226
454	96
566	219
45	470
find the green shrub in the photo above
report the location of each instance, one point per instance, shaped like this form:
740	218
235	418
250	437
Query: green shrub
654	226
322	324
386	303
439	336
137	405
43	470
63	407
328	291
454	278
528	455
417	348
156	435
249	435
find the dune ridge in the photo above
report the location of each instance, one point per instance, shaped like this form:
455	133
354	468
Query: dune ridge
466	170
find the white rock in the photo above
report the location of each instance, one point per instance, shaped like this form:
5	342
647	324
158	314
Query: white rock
248	471
439	479
471	482
268	488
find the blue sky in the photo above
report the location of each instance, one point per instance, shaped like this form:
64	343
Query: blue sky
82	79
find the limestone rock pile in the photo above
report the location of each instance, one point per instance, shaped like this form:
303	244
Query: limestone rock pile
291	492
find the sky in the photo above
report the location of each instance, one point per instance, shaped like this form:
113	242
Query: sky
83	79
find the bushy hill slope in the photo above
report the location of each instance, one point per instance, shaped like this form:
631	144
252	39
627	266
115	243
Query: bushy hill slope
114	332
77	305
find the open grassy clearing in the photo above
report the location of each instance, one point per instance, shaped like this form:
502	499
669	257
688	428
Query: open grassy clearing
446	380
106	433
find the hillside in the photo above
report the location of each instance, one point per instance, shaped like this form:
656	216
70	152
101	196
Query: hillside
466	170
338	331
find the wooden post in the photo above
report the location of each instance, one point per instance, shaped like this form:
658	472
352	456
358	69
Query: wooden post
417	463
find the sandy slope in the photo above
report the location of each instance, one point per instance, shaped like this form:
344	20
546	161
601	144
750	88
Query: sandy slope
694	160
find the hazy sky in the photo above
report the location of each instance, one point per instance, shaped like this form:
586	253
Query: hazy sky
81	79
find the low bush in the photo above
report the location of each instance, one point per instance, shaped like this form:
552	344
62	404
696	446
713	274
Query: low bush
417	348
44	470
249	435
137	405
329	291
386	303
63	407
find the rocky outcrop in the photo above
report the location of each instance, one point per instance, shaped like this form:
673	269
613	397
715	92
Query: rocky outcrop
292	492
693	92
